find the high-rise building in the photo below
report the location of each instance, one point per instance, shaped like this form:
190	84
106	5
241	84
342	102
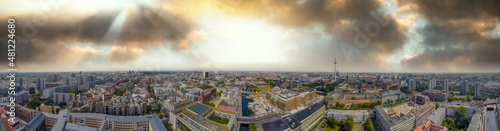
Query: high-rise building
21	82
68	80
445	85
63	97
54	77
412	85
31	90
205	74
477	91
431	84
40	84
465	87
82	80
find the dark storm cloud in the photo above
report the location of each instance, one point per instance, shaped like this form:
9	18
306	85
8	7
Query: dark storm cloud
50	42
457	33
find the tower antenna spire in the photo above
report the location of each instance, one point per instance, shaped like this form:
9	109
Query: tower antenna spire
335	70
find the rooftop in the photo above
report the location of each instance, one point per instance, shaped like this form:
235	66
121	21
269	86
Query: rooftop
154	120
301	115
435	117
474	123
203	119
278	125
348	111
198	108
292	121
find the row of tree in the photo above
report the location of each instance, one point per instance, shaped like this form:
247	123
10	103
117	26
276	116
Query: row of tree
324	88
361	106
219	119
419	88
345	125
461	120
368	124
252	127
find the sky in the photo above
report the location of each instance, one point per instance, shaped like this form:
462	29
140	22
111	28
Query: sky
254	35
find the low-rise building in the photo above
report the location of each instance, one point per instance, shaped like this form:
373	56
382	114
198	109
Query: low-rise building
435	95
476	123
357	115
287	100
48	93
67	121
198	117
392	95
438	116
22	96
402	117
303	120
428	126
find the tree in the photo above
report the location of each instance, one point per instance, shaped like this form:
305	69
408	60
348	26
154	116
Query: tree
252	127
350	122
437	105
405	90
353	98
461	119
219	119
159	115
250	111
72	91
167	125
120	93
451	98
395	87
210	104
344	127
61	104
53	112
368	124
325	103
366	105
46	102
57	110
495	95
331	122
339	105
207	87
34	102
184	128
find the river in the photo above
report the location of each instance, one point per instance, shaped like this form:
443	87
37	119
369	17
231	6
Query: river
244	109
244	105
491	121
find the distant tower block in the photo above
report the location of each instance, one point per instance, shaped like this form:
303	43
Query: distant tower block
335	70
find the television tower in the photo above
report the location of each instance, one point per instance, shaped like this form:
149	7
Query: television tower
335	70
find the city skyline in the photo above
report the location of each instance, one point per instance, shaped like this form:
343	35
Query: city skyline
283	36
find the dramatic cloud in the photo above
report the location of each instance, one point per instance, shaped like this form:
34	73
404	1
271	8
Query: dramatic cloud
46	39
457	36
124	54
302	35
359	27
